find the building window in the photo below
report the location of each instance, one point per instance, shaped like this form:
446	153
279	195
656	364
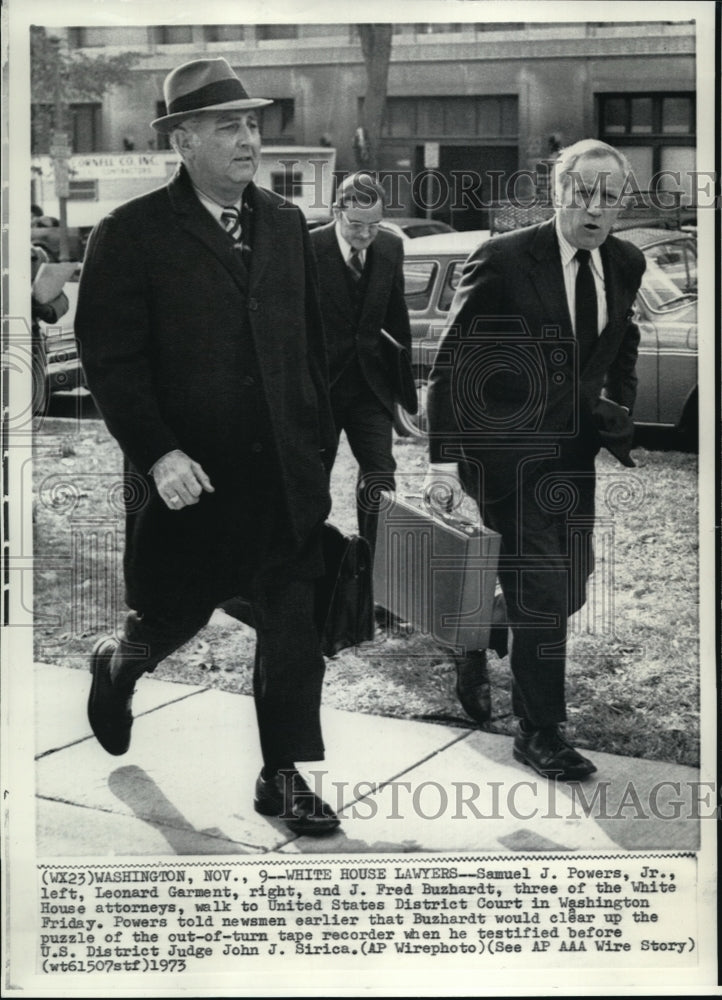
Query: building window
287	183
85	127
437	28
223	33
453	117
84	190
505	26
77	38
400	117
655	131
82	122
172	34
277	120
276	32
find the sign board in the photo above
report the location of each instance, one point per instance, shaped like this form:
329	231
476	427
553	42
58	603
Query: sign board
431	155
108	166
60	146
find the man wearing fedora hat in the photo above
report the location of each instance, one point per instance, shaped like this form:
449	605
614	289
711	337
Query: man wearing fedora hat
201	337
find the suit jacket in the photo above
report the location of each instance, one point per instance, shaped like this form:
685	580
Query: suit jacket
184	347
384	306
506	388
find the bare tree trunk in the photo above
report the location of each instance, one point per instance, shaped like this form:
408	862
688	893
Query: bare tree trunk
376	49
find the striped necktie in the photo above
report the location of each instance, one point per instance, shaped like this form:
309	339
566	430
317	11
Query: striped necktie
231	219
354	265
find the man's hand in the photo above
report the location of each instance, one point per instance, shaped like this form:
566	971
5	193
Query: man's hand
442	489
179	480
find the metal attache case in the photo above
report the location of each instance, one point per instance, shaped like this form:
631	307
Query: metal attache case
436	572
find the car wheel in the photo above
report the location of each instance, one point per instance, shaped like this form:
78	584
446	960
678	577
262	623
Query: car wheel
413	425
687	433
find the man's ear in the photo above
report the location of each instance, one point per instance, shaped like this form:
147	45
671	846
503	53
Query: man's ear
183	140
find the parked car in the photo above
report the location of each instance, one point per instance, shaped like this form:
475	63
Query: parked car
56	355
406	228
666	312
413	228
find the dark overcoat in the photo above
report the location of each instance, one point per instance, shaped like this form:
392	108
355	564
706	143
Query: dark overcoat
507	387
185	347
384	307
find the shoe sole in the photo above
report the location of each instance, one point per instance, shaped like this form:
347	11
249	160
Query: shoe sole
552	775
103	650
313	828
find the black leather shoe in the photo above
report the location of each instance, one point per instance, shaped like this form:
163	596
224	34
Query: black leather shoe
109	704
287	796
551	755
473	688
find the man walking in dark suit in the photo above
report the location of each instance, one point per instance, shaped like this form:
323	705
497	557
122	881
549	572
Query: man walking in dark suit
361	280
535	372
201	337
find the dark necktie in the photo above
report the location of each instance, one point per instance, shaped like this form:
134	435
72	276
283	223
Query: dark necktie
585	311
355	266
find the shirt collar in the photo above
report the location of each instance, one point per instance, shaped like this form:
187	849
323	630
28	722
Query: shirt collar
213	207
567	252
346	248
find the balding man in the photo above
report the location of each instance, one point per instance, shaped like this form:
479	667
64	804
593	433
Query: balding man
535	372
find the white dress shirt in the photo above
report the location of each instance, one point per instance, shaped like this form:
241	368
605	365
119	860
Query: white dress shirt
346	248
213	207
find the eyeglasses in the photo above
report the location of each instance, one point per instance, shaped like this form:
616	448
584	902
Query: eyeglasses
359	227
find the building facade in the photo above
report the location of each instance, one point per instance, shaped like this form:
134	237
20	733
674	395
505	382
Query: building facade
469	105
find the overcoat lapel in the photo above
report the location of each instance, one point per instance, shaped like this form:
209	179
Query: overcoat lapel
611	282
548	278
264	238
375	288
199	223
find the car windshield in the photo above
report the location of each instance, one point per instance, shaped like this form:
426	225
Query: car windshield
671	273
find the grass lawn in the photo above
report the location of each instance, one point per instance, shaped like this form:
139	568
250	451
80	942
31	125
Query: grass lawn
633	671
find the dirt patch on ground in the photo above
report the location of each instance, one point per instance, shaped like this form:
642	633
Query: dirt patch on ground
633	677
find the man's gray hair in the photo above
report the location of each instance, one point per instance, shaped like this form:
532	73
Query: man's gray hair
585	149
186	125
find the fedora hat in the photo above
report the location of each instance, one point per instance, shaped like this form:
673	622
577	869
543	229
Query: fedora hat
203	85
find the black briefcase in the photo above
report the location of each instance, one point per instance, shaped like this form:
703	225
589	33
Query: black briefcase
437	572
398	363
344	605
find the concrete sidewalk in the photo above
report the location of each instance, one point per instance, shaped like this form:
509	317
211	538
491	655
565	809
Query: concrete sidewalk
186	785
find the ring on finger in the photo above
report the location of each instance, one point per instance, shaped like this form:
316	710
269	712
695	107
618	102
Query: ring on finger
174	499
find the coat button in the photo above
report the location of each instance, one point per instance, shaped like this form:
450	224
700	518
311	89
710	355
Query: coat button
257	447
253	304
